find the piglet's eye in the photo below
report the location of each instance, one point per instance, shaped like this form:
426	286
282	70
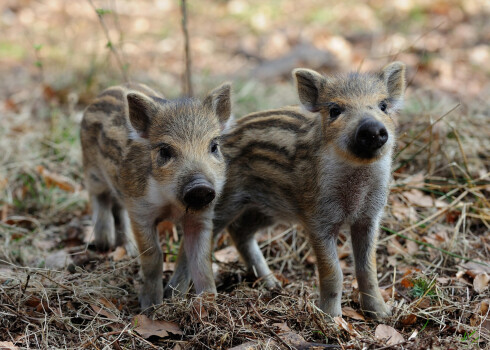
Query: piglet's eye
166	153
383	105
213	147
335	111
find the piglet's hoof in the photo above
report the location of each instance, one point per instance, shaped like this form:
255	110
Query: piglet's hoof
376	311
269	282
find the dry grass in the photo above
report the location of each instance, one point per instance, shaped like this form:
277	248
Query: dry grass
91	302
57	293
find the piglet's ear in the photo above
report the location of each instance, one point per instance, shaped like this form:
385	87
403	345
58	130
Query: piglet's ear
141	110
309	85
394	77
219	101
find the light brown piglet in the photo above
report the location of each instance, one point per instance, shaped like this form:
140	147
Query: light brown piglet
148	159
323	164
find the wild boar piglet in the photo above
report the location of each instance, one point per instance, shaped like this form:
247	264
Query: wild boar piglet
322	165
148	159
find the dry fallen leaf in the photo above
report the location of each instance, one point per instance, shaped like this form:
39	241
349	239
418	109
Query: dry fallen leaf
412	247
119	254
198	308
413	335
164	227
475	268
109	304
480	283
147	327
104	312
416	180
389	334
344	251
392	261
442	236
480	315
403	212
350	312
418	198
407	282
88	234
250	345
387	293
11	105
226	255
57	180
3	182
281	278
443	280
394	247
4	212
7	345
293	339
33	301
311	258
432	239
168	266
58	260
283	327
424	303
408	320
343	324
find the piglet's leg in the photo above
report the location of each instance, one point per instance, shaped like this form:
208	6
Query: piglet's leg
124	234
364	235
103	222
180	280
151	258
198	238
325	248
242	231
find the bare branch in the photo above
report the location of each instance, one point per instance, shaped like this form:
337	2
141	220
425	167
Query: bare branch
187	76
110	45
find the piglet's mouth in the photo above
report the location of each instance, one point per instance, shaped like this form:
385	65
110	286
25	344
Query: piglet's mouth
192	210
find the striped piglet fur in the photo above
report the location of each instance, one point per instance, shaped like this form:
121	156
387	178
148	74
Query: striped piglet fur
323	164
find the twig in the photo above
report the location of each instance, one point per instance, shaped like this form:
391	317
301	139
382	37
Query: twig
187	51
264	322
111	47
393	345
465	161
429	126
117	23
436	214
322	329
26	284
394	56
119	334
412	157
433	247
58	283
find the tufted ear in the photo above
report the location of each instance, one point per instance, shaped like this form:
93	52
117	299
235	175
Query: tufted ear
219	101
394	77
309	84
141	110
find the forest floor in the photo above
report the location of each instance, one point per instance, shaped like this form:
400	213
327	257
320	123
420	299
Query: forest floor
57	292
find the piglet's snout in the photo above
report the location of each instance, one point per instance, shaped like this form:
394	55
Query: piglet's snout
371	135
198	193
